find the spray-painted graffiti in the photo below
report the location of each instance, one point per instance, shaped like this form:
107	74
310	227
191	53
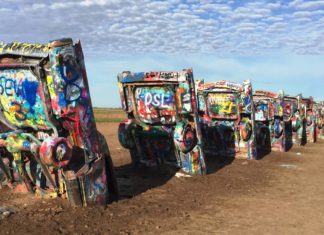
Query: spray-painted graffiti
307	105
319	119
19	48
163	121
222	105
22	99
49	135
155	104
269	119
227	116
294	119
261	111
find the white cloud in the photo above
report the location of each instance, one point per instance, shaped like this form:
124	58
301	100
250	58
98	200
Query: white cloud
232	40
308	5
188	26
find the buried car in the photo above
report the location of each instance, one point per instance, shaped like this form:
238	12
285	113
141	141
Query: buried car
269	122
162	120
307	104
227	119
319	119
319	116
49	143
294	119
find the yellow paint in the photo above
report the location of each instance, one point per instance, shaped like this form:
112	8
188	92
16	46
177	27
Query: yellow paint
280	111
50	85
227	107
18	113
24	47
223	101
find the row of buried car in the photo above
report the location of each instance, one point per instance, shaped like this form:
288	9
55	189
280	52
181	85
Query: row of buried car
176	120
50	146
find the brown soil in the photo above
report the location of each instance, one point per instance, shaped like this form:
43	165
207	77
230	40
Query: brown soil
281	194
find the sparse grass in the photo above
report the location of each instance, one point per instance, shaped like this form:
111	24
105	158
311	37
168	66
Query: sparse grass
109	119
109	114
107	111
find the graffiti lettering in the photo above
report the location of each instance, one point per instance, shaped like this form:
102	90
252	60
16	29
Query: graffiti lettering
9	87
154	99
222	103
20	98
167	75
21	88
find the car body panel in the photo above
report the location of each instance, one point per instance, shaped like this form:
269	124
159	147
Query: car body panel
227	118
319	116
295	119
48	133
310	119
162	119
269	119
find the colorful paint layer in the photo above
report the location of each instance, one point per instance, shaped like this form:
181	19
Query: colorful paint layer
319	119
270	125
294	119
162	124
48	133
227	118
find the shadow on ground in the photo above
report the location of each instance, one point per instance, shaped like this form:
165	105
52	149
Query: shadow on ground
215	164
133	181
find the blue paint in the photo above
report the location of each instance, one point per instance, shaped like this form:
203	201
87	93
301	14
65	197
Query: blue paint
26	145
247	100
30	91
134	77
167	98
61	101
27	89
68	72
9	87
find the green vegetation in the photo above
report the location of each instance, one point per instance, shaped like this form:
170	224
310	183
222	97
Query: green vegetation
108	119
109	114
107	111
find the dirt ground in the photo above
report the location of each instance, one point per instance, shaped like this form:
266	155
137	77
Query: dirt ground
281	194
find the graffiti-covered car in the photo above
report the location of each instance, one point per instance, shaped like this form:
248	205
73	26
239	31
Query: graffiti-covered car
319	116
269	121
48	138
294	119
227	119
307	104
161	125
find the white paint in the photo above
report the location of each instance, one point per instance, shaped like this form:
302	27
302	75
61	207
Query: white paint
155	100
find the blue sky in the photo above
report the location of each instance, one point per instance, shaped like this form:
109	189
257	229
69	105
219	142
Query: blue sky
276	44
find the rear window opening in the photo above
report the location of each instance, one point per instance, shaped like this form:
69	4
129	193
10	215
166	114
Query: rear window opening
222	105
155	104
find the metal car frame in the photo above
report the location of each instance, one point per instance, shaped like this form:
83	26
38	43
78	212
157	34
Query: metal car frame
319	116
294	118
162	120
227	117
269	120
307	104
49	142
